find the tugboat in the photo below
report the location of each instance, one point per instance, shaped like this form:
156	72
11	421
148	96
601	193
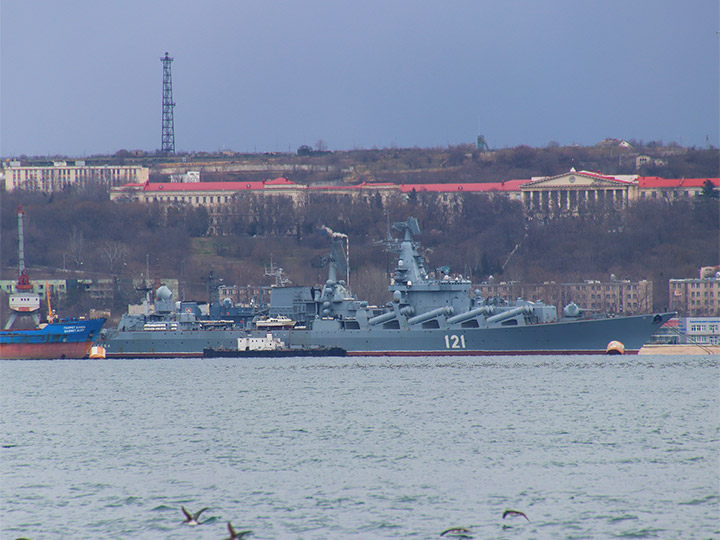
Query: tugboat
68	338
269	346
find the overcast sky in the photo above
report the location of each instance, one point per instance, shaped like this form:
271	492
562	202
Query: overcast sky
84	77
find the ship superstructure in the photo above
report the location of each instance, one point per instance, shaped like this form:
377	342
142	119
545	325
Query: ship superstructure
431	315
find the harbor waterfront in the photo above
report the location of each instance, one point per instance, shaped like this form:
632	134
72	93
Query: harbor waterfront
328	448
428	315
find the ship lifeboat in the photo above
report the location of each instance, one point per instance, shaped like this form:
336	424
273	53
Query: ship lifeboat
277	323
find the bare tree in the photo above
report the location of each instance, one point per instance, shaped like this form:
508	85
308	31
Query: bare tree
77	246
114	253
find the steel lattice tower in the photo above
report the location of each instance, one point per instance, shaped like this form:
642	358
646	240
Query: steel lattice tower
168	122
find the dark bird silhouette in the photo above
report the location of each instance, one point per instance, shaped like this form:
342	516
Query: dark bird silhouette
457	532
237	535
193	519
507	513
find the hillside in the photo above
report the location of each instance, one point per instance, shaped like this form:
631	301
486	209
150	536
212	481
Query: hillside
461	163
84	233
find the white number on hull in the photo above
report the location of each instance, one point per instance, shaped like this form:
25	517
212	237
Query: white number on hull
454	342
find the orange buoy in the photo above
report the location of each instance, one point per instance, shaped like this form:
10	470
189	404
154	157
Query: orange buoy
97	352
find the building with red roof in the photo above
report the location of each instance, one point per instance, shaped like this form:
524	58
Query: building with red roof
654	187
563	193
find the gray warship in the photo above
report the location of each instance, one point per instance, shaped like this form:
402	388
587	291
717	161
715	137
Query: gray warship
427	316
442	316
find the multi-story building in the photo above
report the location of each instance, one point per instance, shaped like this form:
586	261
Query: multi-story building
55	286
702	330
566	193
653	187
624	296
216	195
689	331
208	194
697	297
571	192
63	174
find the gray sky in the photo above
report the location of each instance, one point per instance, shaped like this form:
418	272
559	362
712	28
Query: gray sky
84	77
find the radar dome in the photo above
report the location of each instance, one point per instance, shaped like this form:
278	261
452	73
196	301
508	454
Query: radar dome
571	310
163	293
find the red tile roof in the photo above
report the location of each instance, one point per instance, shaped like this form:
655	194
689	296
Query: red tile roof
471	187
644	182
468	187
657	182
215	186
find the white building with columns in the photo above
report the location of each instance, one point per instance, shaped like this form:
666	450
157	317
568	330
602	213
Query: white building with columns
574	191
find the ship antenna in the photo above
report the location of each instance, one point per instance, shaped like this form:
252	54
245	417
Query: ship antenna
277	273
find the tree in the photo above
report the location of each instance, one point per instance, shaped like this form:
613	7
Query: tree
413	197
77	246
197	221
709	190
114	253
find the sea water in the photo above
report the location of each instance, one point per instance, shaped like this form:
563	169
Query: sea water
361	448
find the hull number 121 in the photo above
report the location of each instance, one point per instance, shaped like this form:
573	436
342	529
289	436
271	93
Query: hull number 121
454	342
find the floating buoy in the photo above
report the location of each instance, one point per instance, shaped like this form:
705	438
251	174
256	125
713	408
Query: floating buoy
615	347
97	352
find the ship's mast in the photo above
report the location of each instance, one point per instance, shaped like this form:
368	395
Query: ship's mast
277	273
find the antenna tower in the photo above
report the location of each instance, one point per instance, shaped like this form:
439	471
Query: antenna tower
168	122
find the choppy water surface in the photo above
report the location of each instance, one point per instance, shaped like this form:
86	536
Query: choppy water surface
587	447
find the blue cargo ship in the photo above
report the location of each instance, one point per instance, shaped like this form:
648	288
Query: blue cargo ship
70	338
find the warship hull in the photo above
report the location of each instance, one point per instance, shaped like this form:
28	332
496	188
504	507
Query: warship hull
166	344
584	336
589	336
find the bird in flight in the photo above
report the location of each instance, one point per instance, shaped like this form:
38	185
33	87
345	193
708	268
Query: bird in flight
507	513
237	535
193	519
457	532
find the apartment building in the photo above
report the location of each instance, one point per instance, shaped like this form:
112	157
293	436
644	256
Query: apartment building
697	297
618	296
59	175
